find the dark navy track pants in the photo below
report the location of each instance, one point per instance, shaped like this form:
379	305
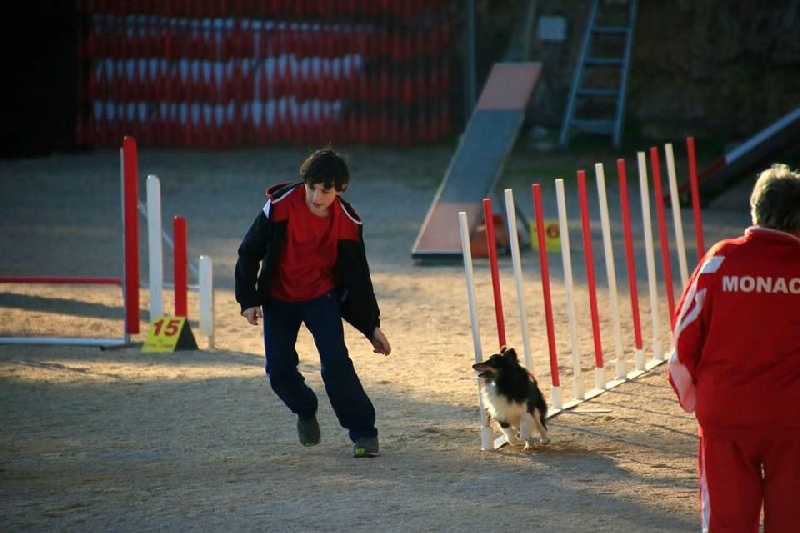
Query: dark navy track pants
322	317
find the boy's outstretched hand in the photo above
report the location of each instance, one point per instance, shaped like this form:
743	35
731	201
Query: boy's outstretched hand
380	344
252	314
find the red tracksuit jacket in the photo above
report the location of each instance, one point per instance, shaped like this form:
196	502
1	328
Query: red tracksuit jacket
736	362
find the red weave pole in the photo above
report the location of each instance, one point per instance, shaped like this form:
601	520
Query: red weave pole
655	165
626	224
130	208
62	280
492	245
698	223
181	267
589	260
548	305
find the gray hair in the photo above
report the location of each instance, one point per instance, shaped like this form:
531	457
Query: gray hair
775	200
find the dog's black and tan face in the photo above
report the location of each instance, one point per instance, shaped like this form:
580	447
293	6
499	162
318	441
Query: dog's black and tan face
497	363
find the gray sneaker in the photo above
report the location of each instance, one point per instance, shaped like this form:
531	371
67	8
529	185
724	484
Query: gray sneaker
366	447
308	431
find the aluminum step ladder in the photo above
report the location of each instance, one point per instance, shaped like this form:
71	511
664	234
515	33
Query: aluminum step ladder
596	102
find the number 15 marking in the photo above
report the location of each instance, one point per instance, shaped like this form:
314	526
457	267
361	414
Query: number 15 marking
170	329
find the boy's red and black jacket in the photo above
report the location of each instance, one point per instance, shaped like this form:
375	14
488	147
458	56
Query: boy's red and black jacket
259	253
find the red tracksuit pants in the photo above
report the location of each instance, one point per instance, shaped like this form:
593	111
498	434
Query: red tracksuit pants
738	476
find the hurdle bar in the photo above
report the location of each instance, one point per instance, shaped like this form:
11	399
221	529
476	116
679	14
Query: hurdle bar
64	280
129	282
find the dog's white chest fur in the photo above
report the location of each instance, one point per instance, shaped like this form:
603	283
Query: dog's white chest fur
501	408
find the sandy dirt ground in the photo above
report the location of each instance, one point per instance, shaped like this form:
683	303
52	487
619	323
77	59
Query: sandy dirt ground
119	440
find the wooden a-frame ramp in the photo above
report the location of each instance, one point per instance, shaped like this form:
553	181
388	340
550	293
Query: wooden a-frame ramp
478	161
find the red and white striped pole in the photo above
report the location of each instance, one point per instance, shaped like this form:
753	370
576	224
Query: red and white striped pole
555	378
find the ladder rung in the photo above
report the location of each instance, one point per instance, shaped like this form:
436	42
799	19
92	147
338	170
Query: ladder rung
611	30
610	93
604	61
594	125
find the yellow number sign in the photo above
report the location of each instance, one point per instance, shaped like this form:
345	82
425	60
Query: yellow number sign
169	333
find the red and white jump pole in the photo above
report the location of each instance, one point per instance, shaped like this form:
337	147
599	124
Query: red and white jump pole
652	282
129	281
599	367
655	165
555	378
486	431
611	273
577	382
695	188
631	262
675	203
516	262
491	242
130	202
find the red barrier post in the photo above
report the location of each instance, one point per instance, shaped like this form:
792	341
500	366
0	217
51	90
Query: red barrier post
698	224
655	165
626	224
130	221
492	245
555	378
590	278
181	267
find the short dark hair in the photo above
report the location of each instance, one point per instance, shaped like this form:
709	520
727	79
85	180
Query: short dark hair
775	200
326	166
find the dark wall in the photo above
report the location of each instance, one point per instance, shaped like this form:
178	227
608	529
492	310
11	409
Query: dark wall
38	40
699	67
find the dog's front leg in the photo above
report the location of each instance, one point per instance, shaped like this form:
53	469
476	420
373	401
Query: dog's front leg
525	432
510	434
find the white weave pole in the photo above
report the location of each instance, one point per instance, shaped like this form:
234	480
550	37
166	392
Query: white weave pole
206	298
486	430
658	353
577	382
513	239
611	273
676	214
154	250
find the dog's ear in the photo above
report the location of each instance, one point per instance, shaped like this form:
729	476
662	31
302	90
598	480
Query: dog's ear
510	354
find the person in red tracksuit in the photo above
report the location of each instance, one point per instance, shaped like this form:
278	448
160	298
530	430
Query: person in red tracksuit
736	365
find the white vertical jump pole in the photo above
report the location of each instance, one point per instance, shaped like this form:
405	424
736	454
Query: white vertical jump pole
154	248
577	382
155	238
513	239
611	274
206	298
486	430
676	215
658	353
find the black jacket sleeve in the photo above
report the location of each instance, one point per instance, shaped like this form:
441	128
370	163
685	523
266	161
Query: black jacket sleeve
359	305
251	251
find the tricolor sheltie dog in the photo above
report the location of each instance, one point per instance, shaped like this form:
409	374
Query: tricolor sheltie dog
512	398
